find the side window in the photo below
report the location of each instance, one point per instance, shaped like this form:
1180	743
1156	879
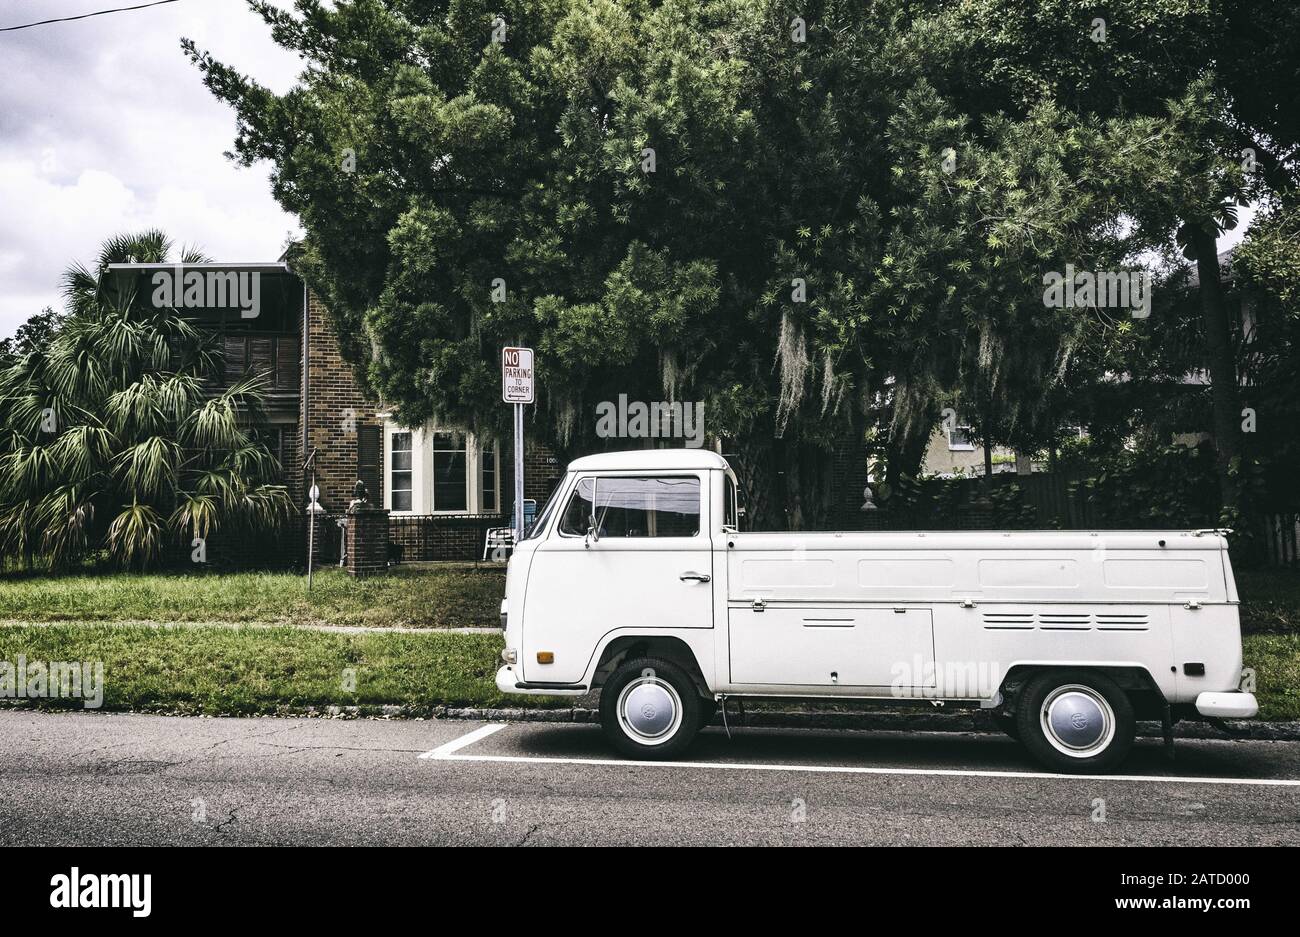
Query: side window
399	478
729	513
635	507
578	509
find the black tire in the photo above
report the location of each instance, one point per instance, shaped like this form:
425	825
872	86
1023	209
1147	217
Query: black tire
663	682
1007	723
1104	732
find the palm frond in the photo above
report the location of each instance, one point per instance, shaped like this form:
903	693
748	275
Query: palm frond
25	473
64	517
149	467
135	536
197	514
83	450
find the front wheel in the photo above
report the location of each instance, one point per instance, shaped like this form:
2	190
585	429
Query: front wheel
650	708
1076	721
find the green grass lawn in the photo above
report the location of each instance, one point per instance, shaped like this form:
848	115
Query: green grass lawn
266	670
260	670
432	597
1276	659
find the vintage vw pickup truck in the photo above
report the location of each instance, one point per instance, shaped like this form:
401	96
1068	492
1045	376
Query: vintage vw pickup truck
637	579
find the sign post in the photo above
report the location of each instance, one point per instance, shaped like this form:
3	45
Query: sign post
517	387
313	505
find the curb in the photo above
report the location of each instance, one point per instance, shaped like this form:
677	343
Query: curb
976	722
970	722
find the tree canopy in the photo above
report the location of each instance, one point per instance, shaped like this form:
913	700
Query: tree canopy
789	218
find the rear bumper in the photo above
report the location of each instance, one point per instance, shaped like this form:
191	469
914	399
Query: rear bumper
1227	705
508	682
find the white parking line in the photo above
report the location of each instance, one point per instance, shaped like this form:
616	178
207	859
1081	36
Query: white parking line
846	769
448	752
469	738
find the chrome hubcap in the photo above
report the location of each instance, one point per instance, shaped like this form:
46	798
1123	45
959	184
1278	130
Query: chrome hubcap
1078	721
650	710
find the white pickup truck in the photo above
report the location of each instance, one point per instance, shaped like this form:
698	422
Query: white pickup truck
637	579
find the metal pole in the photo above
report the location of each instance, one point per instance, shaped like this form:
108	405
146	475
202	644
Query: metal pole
311	530
519	472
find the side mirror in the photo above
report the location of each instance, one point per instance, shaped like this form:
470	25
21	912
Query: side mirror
593	532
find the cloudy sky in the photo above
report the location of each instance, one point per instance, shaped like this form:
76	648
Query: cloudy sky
105	127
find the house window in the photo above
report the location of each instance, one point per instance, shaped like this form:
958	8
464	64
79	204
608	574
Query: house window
960	439
432	471
399	479
450	473
488	479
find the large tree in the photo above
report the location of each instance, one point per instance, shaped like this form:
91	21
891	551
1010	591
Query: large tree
783	216
1208	85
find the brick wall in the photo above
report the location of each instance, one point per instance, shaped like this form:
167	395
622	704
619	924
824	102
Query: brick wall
367	533
442	538
542	472
333	408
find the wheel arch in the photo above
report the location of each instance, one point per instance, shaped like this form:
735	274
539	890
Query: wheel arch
667	647
1138	683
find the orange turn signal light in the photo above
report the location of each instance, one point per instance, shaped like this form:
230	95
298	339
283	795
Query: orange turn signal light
545	657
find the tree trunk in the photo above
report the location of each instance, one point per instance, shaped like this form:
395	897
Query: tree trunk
785	484
988	470
903	457
757	477
1217	331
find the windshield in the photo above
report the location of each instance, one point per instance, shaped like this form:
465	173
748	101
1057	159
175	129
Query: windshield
542	518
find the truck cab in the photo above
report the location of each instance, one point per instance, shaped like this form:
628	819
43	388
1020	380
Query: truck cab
637	579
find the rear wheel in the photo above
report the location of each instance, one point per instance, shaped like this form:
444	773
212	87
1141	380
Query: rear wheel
1007	723
1076	721
650	708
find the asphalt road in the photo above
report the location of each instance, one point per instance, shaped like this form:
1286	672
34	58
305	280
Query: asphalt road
91	778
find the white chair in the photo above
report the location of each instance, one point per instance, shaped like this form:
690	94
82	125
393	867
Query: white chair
498	537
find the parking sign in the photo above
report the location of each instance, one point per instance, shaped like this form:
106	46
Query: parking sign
517	375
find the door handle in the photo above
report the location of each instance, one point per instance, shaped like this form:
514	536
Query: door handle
698	577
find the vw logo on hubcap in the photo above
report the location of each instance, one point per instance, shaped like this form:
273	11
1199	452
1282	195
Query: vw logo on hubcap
648	708
1078	720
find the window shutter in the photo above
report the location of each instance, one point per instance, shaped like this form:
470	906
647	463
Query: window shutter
236	354
368	461
260	360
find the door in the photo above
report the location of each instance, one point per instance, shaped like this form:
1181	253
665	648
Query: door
651	567
850	647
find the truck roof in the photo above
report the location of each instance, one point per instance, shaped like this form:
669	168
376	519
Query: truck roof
651	460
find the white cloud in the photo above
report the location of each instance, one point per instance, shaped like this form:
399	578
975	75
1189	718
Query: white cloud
105	128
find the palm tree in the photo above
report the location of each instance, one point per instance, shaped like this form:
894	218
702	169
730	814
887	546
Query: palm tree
114	438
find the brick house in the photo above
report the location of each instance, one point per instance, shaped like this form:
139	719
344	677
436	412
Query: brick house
443	487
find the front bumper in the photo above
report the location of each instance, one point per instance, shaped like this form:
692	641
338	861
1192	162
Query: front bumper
508	682
1227	705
